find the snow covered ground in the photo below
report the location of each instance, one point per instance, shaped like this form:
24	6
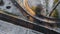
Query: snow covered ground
13	9
8	28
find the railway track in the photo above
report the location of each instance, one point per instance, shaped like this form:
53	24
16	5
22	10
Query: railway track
21	22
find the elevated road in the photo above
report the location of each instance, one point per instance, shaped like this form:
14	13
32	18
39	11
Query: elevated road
21	22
